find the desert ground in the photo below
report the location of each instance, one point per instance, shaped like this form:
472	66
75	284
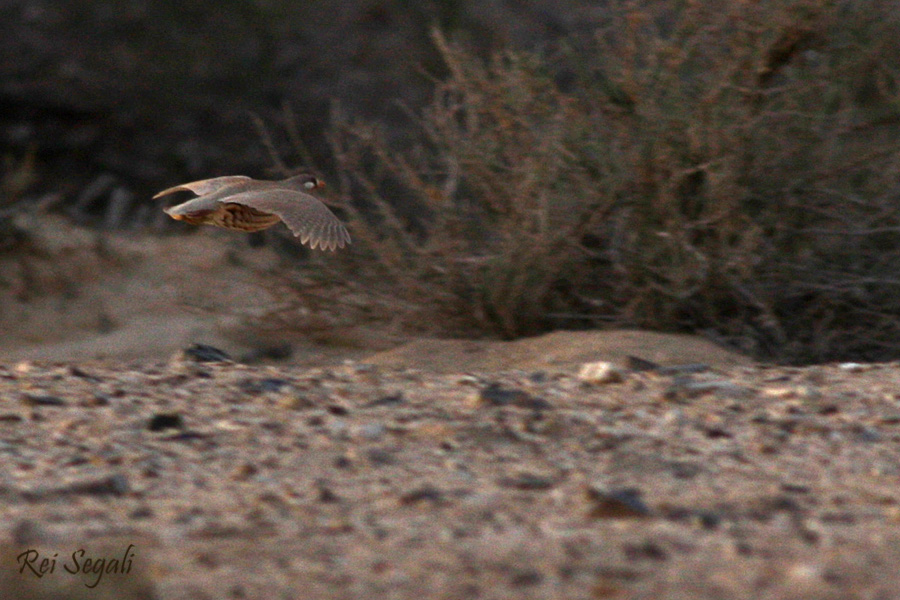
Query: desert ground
366	465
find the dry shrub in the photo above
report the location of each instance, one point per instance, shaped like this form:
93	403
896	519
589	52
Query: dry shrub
482	222
727	167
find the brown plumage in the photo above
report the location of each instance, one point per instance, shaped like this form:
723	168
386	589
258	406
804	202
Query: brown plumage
245	204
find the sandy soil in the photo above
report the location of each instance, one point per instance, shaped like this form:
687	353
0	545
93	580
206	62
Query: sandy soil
235	481
434	470
77	294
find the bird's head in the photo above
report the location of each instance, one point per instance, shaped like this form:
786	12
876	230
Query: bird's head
305	180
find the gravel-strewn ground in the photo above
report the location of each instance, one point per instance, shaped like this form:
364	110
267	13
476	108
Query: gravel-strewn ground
237	481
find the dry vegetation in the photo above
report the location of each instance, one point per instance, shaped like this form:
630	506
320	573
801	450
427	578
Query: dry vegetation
728	167
725	167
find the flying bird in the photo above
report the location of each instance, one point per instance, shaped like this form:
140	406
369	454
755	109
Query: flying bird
245	204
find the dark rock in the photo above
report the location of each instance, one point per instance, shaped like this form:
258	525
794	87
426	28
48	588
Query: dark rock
684	469
141	512
78	372
496	395
623	503
684	369
111	485
422	494
277	352
203	353
717	433
391	400
526	577
527	481
42	400
326	494
645	550
186	436
262	386
95	400
795	488
161	421
380	457
27	532
635	363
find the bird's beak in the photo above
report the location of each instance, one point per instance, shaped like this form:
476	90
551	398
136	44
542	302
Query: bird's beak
320	183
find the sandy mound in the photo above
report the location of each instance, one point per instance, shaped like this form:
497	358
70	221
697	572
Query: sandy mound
561	350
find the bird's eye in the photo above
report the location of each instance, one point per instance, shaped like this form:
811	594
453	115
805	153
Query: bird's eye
313	183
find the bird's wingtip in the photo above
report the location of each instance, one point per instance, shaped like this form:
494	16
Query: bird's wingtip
168	191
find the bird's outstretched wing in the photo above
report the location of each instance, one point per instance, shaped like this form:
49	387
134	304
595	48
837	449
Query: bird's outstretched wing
206	186
306	216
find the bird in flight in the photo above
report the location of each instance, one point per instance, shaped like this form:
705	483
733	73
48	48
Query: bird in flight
245	204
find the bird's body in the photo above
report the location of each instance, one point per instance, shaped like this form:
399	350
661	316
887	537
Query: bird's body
244	204
229	215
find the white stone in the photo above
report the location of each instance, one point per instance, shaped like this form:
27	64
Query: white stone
601	372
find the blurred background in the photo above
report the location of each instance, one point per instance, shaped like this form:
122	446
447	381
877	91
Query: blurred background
725	168
147	93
